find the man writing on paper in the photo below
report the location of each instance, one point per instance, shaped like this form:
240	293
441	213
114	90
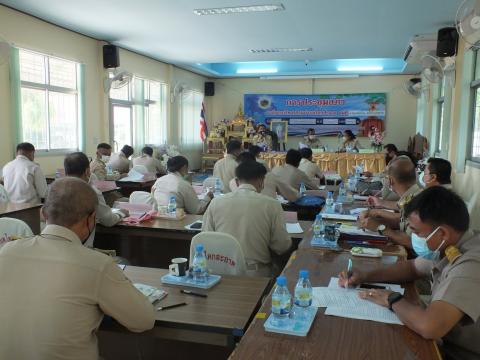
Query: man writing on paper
55	291
440	218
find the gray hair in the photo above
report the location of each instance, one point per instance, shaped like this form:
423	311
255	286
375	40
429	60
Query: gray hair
69	200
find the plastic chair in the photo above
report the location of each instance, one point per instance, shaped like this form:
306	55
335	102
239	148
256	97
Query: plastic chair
223	252
143	197
3	195
14	228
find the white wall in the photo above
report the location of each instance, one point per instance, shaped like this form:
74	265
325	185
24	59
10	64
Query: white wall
401	107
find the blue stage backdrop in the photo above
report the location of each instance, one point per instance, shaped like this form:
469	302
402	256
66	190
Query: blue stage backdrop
327	114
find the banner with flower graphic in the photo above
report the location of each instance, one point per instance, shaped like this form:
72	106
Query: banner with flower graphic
327	114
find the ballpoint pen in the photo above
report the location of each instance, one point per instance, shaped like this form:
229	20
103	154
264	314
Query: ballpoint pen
189	292
160	308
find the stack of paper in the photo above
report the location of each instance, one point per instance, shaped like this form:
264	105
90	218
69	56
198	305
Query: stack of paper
294	228
133	176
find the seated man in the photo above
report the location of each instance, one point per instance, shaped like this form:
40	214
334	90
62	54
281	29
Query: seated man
60	289
23	179
76	165
119	161
402	179
225	168
98	167
255	220
256	151
146	159
440	218
311	140
438	172
272	186
290	173
308	166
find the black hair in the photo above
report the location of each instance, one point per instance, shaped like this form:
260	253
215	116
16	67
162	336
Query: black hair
441	168
233	145
250	170
306	153
245	156
26	147
147	150
104	146
293	157
127	150
391	148
175	163
439	206
350	134
310	129
254	150
76	164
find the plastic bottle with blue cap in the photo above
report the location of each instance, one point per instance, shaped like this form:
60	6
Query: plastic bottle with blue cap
303	295
199	264
281	302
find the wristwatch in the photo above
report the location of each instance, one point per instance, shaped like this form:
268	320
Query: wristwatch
393	298
381	229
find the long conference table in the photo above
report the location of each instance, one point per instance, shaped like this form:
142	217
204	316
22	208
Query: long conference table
340	163
29	213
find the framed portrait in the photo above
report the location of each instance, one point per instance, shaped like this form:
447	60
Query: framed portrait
280	127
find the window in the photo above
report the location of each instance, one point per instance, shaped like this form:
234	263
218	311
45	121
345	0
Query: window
49	102
191	106
475	141
138	113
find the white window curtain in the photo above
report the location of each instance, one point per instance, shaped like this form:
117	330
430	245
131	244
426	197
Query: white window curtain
190	108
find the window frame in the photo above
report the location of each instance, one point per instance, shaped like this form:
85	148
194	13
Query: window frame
47	88
193	94
474	87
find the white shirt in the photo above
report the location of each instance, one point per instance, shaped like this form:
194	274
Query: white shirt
54	301
310	168
119	162
174	185
225	170
255	220
24	181
153	165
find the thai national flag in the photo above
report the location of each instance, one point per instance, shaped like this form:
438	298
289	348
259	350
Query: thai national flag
203	124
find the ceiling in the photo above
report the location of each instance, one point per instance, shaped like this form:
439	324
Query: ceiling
340	32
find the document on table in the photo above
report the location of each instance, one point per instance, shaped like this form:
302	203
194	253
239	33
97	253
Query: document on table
294	228
355	230
339	216
133	176
333	284
357	211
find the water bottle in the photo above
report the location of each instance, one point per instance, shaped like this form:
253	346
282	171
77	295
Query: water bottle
109	170
303	189
342	191
172	206
329	202
199	265
281	302
352	184
218	187
58	174
303	295
318	228
358	172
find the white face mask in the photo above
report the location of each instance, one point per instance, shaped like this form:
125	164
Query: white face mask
105	158
311	137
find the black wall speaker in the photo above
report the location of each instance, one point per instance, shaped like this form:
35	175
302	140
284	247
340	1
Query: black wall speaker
447	42
110	57
209	88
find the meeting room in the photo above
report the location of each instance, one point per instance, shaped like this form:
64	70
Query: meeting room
239	180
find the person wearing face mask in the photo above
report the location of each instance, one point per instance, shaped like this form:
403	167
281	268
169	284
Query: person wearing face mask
437	173
350	142
262	139
440	219
174	184
60	290
23	178
311	140
255	220
76	165
98	167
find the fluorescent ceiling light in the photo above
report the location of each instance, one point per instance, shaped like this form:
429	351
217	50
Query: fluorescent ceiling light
299	77
239	9
278	50
359	68
257	71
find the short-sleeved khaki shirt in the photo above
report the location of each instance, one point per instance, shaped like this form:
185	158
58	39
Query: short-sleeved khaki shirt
404	200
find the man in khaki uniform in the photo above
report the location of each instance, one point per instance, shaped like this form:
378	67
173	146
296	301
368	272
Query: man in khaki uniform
98	167
255	220
225	168
291	174
119	161
440	218
55	291
308	166
146	159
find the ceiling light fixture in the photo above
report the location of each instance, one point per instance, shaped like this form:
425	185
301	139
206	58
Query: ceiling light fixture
239	9
279	50
359	68
299	77
257	71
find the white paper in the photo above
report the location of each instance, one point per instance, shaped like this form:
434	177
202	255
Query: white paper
346	303
357	211
133	176
189	226
333	284
339	216
294	228
282	199
360	197
354	230
322	187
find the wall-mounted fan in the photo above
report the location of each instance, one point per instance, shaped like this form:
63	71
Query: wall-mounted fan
432	69
177	90
117	80
4	51
413	87
467	22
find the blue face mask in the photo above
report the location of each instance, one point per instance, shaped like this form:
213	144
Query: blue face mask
421	248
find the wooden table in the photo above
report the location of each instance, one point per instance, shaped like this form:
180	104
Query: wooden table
333	337
152	243
29	213
220	319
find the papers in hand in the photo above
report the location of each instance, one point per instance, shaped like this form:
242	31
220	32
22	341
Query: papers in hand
294	228
152	293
